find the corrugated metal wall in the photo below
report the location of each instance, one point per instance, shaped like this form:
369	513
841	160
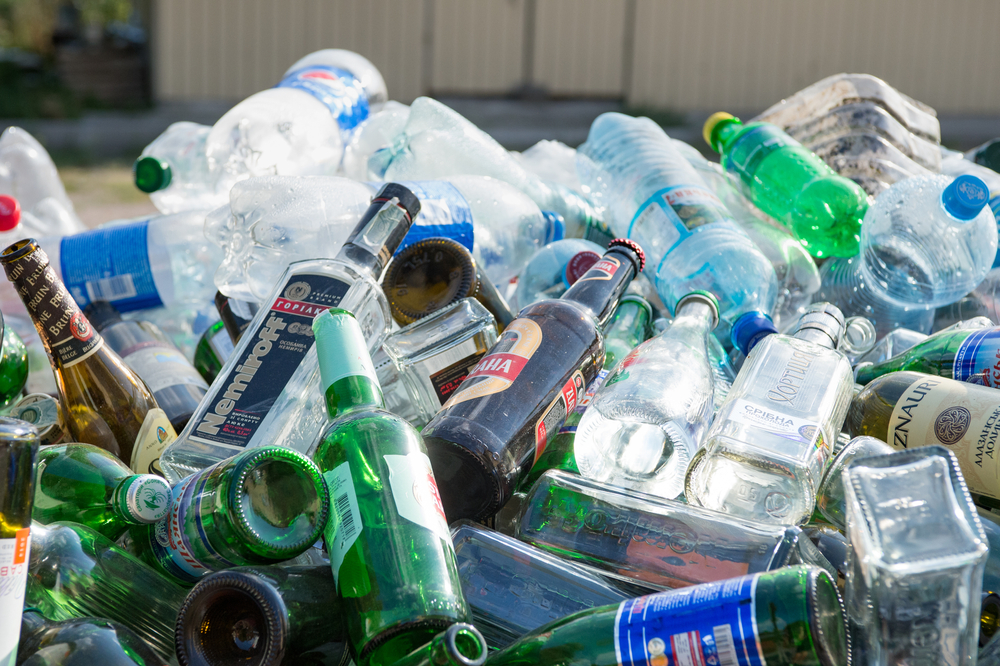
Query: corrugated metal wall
679	54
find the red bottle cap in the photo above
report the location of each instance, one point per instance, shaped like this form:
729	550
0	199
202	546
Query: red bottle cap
10	212
632	245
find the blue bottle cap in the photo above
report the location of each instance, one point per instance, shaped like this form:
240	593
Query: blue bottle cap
965	197
750	329
557	226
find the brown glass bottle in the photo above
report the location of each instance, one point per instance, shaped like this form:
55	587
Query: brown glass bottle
434	273
236	315
494	427
104	402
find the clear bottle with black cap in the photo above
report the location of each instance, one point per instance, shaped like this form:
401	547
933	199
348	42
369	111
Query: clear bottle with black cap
495	426
764	456
174	382
268	391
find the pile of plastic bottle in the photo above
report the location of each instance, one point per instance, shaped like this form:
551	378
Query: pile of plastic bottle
371	387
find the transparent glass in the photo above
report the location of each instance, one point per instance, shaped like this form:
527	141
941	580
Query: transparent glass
830	500
916	561
425	361
766	451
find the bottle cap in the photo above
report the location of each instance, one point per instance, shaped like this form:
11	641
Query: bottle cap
965	197
577	265
556	229
705	297
632	245
10	212
151	174
101	314
143	498
826	318
713	122
751	328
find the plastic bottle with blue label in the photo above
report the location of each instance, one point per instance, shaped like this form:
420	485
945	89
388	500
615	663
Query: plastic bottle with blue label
276	220
301	125
655	197
925	242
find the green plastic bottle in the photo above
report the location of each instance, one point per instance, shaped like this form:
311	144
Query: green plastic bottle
788	617
630	326
85	484
966	355
390	549
790	183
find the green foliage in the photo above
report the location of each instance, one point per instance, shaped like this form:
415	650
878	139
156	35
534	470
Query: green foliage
29	24
34	94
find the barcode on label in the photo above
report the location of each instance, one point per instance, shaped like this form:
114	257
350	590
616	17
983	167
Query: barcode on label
725	646
348	528
111	288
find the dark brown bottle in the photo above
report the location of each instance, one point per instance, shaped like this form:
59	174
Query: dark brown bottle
494	427
434	273
236	315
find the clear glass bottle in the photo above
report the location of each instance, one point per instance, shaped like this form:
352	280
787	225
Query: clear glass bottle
765	454
918	550
645	423
268	391
830	501
421	365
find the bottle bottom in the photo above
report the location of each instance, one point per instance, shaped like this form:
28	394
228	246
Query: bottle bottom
469	474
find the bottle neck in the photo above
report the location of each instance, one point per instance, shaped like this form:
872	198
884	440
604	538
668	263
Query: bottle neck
345	366
141	499
603	284
378	234
695	314
816	337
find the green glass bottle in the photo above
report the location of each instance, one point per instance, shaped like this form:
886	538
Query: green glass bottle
75	572
263	616
265	505
458	645
212	351
85	484
630	326
966	355
81	642
789	617
390	550
791	183
18	451
13	365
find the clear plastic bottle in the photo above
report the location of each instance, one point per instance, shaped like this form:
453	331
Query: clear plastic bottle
553	269
375	133
655	197
174	171
646	421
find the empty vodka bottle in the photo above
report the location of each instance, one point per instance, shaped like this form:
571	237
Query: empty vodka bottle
264	616
743	620
87	485
268	390
650	541
766	451
553	269
656	198
513	587
916	560
81	641
791	184
830	500
174	171
646	421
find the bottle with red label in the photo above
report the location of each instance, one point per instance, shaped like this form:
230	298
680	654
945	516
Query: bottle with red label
390	550
495	426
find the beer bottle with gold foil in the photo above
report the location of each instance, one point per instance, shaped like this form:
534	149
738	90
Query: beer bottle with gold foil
495	425
104	402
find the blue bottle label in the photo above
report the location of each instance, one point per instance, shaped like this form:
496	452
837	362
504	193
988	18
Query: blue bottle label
110	264
339	91
713	624
672	214
977	360
443	212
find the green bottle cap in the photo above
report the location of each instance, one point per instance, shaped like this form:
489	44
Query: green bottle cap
341	347
151	174
143	498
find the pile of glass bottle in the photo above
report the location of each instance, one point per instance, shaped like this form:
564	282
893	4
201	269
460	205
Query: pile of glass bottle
742	413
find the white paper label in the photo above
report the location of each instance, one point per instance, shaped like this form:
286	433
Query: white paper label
415	491
13	577
154	436
345	524
161	367
793	427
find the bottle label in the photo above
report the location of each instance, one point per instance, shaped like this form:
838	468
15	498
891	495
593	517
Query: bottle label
672	214
585	401
146	498
557	411
765	418
345	523
13	580
578	265
110	264
336	88
415	491
964	418
447	380
444	212
161	366
765	139
222	345
496	371
347	355
275	348
718	620
154	436
70	336
603	269
977	360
